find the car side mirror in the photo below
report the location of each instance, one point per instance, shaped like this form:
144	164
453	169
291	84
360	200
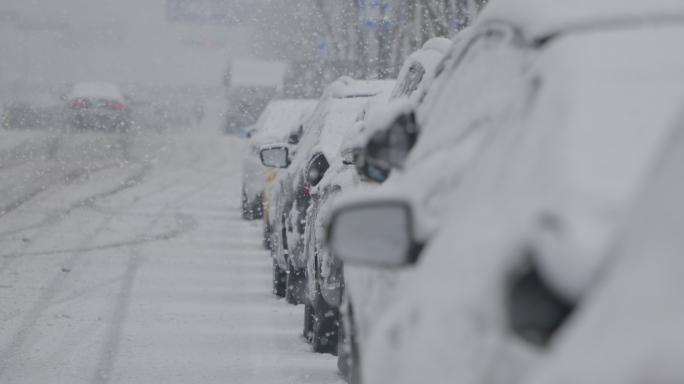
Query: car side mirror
401	137
389	148
275	156
375	233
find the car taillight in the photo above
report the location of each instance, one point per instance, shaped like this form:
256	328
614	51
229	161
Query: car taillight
77	104
307	189
115	104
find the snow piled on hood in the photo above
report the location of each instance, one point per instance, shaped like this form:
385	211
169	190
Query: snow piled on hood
440	44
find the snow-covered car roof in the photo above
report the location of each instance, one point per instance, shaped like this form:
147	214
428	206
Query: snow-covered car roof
340	116
346	87
278	118
541	18
96	90
339	174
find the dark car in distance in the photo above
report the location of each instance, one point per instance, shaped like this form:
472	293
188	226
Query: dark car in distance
96	106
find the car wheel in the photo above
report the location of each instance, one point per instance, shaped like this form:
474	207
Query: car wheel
258	207
307	332
267	237
325	325
348	361
279	280
296	285
247	213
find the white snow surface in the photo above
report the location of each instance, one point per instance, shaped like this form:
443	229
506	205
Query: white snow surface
441	44
539	18
129	263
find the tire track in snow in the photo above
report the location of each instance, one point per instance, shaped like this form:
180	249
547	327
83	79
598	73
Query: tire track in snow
30	319
55	218
45	300
112	341
185	222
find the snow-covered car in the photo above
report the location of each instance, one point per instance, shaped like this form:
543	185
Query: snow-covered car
322	131
271	187
447	117
96	106
325	282
32	108
390	135
547	123
274	123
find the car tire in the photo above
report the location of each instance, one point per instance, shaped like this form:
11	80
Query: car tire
247	212
251	211
307	332
267	237
279	280
348	360
325	325
296	285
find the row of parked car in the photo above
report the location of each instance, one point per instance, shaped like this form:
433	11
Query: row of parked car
507	211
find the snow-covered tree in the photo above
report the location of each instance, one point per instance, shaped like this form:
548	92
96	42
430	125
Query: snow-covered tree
333	31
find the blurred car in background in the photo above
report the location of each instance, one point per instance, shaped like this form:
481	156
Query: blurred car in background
274	124
539	122
96	106
249	86
335	112
32	107
244	105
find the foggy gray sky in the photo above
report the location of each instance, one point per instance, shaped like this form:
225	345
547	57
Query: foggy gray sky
123	41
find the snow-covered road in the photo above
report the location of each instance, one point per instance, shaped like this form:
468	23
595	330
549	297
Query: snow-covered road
123	259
